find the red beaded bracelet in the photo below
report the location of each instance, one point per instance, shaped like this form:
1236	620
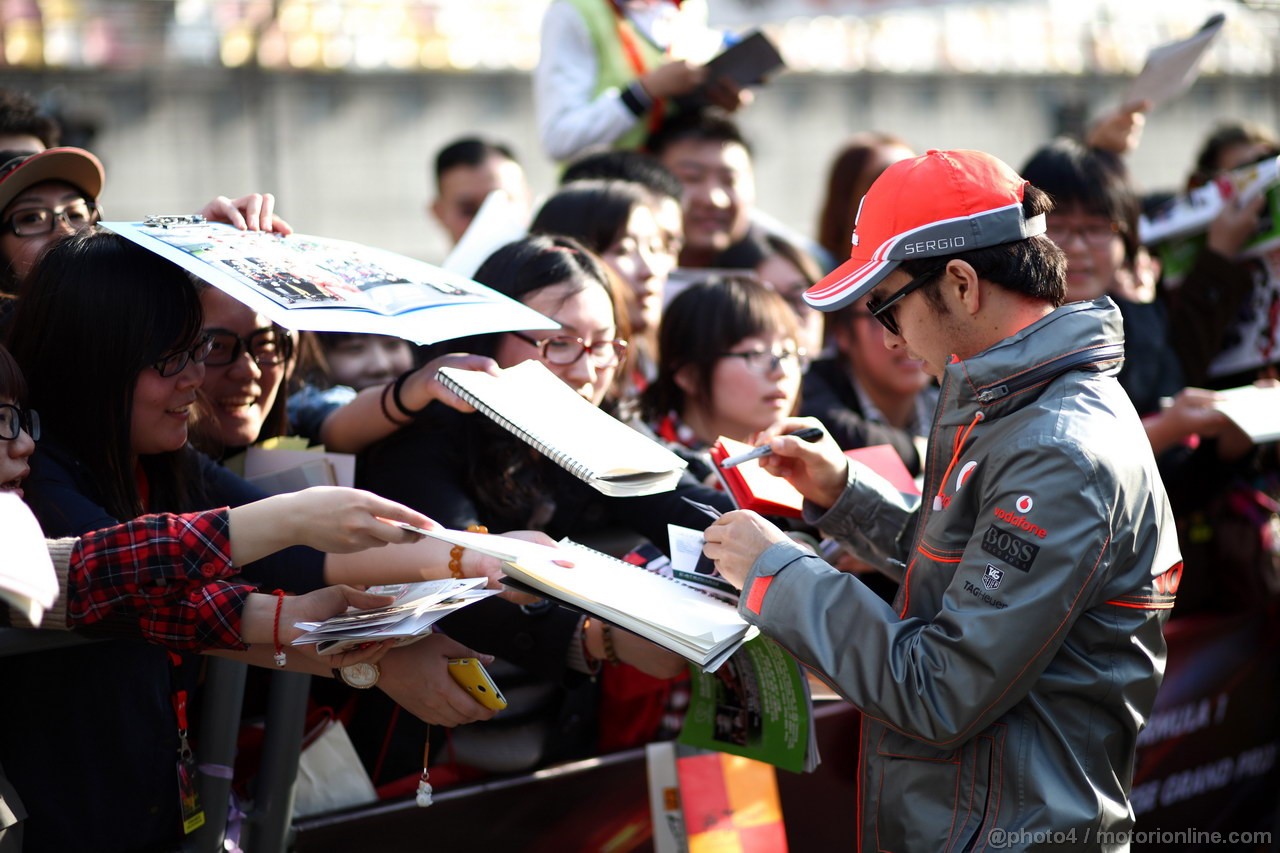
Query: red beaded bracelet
275	631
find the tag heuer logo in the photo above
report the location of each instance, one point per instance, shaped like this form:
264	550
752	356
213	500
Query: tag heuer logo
991	578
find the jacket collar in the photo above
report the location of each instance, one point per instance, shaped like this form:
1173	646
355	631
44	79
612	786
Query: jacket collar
1005	377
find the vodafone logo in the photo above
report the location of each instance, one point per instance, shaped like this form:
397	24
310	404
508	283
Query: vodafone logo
1020	521
1024	504
964	473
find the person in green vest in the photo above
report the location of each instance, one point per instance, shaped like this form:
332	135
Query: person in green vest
610	70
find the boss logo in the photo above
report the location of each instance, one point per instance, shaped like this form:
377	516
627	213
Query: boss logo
1003	545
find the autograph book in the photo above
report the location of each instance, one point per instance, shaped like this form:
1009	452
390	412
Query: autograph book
753	487
676	616
597	448
325	285
756	489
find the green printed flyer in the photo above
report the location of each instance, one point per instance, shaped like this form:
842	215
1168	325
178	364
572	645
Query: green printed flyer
756	705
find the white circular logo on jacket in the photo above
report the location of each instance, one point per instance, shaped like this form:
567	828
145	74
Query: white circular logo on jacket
964	473
1024	504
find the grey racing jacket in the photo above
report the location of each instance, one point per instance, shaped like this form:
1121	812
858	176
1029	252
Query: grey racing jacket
1003	692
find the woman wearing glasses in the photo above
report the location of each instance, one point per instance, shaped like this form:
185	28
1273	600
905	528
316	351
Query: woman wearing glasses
619	222
43	197
729	365
248	361
468	470
111	339
47	195
463	469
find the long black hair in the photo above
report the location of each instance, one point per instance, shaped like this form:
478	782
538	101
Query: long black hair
95	312
13	386
595	213
501	476
699	327
526	266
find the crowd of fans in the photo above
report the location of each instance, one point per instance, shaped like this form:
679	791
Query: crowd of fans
681	314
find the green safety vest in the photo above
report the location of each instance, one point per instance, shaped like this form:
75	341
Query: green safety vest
613	68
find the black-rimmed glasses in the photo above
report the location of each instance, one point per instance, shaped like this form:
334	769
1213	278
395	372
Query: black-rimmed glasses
176	362
883	311
766	361
267	347
34	221
14	419
565	349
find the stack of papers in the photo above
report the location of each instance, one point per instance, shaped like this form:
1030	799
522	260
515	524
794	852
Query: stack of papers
410	617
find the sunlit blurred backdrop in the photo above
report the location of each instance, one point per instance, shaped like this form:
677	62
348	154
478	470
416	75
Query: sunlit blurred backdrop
338	106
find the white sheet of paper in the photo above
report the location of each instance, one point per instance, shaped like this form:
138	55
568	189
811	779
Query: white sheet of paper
686	547
1255	409
1171	68
27	580
499	221
260	461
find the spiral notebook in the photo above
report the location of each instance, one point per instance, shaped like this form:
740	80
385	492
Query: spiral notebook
534	405
663	610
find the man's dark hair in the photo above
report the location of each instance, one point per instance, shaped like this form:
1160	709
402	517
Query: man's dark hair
1096	180
1225	136
470	151
621	165
21	116
710	125
1033	267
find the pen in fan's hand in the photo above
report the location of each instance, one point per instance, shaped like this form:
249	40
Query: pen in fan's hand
807	434
706	508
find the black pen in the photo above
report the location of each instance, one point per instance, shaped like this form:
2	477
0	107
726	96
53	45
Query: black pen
806	434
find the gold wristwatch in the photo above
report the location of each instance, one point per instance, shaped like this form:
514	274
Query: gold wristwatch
361	676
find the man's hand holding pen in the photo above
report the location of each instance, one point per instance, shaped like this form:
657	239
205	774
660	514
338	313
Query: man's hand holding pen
800	450
818	469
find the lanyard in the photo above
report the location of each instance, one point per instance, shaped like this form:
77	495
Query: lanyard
627	38
188	794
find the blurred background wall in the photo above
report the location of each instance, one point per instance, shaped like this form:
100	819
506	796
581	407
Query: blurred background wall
186	99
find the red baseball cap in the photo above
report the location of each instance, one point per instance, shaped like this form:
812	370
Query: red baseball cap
940	204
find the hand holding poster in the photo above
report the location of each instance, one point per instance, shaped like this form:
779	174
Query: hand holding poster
323	285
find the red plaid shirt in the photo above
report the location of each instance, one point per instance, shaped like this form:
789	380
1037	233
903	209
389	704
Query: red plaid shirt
162	572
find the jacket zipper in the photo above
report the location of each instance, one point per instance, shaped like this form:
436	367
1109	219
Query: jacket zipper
1102	352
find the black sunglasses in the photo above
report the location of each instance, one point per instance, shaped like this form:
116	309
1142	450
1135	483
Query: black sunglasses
15	419
267	347
883	311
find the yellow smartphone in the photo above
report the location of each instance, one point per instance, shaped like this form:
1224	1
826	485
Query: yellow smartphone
472	677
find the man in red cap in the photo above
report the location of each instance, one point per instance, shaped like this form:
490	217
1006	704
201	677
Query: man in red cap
1003	692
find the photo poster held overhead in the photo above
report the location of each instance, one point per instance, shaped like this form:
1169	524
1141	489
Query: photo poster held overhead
323	285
